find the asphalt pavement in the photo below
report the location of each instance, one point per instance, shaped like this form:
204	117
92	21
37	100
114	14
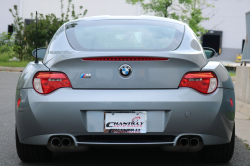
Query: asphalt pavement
98	157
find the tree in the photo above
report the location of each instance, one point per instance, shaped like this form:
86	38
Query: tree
18	25
65	18
5	38
196	17
188	11
46	28
162	8
49	24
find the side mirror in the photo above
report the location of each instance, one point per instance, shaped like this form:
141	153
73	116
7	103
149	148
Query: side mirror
40	52
209	52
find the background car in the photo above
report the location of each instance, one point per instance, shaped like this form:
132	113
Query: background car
125	81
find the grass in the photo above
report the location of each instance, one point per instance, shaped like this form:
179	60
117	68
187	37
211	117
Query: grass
247	146
243	142
6	53
14	64
232	73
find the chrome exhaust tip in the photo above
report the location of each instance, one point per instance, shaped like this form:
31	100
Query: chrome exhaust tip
55	142
194	142
184	142
66	142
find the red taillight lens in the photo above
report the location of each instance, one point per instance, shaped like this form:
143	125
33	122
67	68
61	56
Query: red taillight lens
125	59
46	82
18	102
204	82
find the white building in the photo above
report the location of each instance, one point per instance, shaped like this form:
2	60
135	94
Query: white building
228	24
6	18
230	19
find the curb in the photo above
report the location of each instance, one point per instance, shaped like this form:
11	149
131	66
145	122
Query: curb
242	122
12	69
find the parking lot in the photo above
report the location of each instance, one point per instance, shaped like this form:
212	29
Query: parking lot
103	156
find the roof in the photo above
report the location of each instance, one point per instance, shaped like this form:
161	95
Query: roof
142	17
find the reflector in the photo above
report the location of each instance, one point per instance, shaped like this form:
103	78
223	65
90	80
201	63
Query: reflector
231	102
18	102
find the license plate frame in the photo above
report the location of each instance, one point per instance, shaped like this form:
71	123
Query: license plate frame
121	122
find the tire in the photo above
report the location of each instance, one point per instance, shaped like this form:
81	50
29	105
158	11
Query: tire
218	153
32	153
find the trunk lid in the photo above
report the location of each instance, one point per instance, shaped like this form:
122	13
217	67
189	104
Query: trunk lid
106	74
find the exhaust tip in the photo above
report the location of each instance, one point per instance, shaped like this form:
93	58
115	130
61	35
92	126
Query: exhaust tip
55	142
66	142
194	142
184	142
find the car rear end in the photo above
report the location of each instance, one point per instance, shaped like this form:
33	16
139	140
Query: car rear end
138	82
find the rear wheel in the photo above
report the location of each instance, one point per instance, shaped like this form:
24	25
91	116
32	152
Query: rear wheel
32	153
218	153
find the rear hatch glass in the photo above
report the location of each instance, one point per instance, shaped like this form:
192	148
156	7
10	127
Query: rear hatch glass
124	35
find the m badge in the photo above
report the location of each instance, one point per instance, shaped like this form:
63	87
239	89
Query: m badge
85	76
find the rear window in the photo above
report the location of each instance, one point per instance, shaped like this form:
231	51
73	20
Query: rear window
124	35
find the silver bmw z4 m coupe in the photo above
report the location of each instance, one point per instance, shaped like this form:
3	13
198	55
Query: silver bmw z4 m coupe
118	81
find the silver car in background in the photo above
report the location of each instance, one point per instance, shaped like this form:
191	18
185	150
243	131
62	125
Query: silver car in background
115	81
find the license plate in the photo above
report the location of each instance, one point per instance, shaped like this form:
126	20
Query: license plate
125	122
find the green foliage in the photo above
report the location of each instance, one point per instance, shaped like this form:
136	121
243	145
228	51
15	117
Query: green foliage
6	47
6	52
47	25
14	63
195	9
5	57
195	20
133	2
18	26
188	11
6	38
233	74
162	8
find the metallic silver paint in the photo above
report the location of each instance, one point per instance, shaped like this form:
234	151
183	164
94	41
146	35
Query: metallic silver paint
26	78
225	80
56	111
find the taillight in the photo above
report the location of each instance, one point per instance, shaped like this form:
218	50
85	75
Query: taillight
204	82
125	59
46	82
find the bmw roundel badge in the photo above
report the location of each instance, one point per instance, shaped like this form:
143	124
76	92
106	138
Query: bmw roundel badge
125	70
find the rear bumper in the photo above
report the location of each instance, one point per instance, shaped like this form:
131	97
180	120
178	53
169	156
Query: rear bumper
81	112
